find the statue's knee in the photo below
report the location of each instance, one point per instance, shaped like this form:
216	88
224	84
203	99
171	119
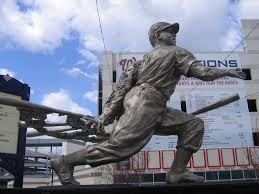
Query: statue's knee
199	125
201	122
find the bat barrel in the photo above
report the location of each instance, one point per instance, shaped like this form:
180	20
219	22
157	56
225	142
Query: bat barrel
217	104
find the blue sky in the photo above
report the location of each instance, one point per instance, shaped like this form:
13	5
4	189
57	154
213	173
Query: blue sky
53	46
47	73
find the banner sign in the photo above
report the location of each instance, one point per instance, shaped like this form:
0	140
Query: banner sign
9	130
210	60
218	61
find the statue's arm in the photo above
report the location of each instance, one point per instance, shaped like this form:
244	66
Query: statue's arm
113	108
189	66
201	72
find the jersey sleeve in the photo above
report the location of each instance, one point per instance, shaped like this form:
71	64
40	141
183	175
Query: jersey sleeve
184	60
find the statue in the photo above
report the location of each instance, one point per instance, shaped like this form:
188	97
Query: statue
139	105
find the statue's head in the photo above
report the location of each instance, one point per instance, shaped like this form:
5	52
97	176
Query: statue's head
163	31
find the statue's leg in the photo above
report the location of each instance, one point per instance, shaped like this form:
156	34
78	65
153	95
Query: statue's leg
190	130
64	166
142	115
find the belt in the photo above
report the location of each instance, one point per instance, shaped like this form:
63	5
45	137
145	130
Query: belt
155	88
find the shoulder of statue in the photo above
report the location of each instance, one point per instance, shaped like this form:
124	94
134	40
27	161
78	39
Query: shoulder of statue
179	49
137	63
182	51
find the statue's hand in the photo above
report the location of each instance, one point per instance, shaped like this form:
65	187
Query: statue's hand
237	73
99	123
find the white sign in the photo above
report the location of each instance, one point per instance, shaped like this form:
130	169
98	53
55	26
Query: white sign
228	126
9	118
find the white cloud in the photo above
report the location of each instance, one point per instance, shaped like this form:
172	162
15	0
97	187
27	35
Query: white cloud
80	62
61	61
91	96
53	118
45	24
36	29
90	56
32	92
248	9
4	71
32	130
78	72
90	41
62	100
233	36
232	39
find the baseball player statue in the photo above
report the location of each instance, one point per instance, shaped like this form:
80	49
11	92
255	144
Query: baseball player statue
139	105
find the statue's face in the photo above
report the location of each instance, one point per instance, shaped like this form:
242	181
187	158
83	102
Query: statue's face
167	36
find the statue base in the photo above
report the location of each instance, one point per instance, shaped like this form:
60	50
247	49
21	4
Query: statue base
244	187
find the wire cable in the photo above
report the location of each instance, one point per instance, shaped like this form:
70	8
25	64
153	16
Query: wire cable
104	46
243	39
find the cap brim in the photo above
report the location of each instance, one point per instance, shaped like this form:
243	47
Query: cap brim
174	26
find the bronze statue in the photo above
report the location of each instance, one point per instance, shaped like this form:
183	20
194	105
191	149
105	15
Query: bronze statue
139	104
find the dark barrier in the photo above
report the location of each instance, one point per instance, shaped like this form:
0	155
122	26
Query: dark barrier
247	187
12	161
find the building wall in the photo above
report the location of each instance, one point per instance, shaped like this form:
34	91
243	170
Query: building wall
250	59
